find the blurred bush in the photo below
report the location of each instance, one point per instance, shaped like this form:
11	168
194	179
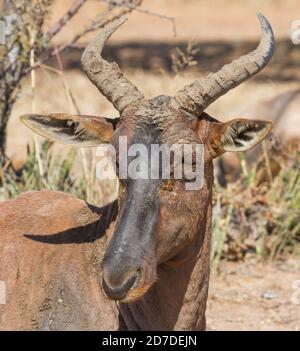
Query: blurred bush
261	220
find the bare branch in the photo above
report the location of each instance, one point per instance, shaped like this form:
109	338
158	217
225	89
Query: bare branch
99	22
66	18
147	12
26	36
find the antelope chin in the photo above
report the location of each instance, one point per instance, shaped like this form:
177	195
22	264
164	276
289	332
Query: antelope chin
136	293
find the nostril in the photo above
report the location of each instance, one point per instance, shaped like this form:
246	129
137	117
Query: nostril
117	288
116	278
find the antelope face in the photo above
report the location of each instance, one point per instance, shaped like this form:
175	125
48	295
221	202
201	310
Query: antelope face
159	217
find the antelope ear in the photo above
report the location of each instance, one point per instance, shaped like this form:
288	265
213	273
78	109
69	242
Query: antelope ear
72	129
238	135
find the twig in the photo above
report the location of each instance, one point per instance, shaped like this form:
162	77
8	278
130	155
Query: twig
96	24
70	97
147	12
33	109
65	18
52	32
93	26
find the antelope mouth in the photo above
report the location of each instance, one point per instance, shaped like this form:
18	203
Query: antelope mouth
134	289
136	292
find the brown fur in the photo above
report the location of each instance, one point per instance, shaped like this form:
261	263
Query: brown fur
53	284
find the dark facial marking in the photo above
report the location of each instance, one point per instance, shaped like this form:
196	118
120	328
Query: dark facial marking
133	243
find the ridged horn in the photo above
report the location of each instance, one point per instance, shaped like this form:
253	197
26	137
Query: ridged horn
108	77
196	97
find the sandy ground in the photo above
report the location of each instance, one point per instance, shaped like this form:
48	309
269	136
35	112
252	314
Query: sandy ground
255	296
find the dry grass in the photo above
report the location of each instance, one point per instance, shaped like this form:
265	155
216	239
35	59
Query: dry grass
258	220
72	171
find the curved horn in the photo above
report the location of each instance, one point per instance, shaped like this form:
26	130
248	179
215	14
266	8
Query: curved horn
108	77
194	98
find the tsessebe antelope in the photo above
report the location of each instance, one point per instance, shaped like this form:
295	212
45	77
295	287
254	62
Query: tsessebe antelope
156	263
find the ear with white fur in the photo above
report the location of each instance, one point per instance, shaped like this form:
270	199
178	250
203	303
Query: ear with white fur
238	135
74	130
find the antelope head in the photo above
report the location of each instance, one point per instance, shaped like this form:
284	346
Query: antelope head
159	220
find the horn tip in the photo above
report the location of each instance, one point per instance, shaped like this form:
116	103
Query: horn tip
265	24
112	26
267	32
260	15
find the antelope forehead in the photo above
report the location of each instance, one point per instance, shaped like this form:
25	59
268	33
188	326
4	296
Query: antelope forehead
147	134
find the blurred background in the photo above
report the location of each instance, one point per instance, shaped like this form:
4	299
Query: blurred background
164	45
